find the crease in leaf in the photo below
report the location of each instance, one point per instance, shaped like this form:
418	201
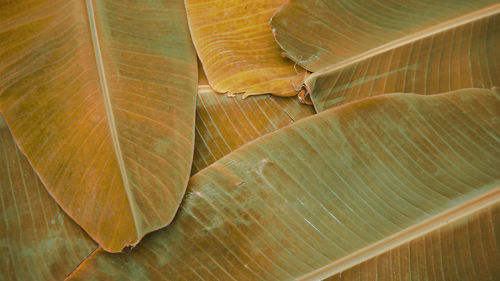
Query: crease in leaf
443	253
461	53
110	116
481	204
101	97
312	193
317	34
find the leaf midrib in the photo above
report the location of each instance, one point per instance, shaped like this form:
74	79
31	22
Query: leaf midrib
447	25
109	112
406	235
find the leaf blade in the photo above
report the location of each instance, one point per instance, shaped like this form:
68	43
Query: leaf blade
38	240
440	254
257	211
426	65
99	138
224	124
317	34
237	49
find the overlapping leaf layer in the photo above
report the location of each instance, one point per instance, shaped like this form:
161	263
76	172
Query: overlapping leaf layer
320	33
317	191
99	99
100	95
38	241
465	54
237	49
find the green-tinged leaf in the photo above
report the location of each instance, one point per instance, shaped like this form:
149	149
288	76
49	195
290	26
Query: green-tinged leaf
237	49
319	33
461	54
309	194
100	95
38	241
224	124
467	249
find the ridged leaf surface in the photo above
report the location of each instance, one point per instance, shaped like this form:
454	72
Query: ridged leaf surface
319	33
100	96
224	124
462	53
237	49
467	249
318	191
38	241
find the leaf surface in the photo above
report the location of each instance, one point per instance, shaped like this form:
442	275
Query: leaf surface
237	49
100	95
224	124
467	249
319	33
317	191
38	241
463	53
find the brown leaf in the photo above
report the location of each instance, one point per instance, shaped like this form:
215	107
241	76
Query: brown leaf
237	49
223	124
462	53
463	250
320	33
348	180
100	95
38	241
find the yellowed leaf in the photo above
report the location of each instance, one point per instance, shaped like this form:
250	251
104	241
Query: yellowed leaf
100	96
466	249
38	241
360	178
320	33
463	53
237	49
223	124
